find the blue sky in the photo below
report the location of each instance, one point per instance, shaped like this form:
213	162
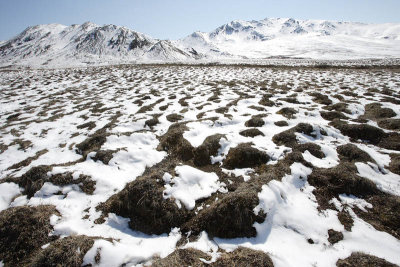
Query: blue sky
167	19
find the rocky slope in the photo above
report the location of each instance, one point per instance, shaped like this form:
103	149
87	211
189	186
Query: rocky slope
56	44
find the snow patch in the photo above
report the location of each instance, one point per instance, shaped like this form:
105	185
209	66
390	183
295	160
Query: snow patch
192	184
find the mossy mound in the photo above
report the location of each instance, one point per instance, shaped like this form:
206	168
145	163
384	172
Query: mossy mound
68	251
192	257
253	132
360	131
152	122
341	179
255	121
174	117
331	115
281	123
89	125
384	214
288	137
175	144
389	124
92	143
313	148
340	107
390	141
352	153
265	101
33	180
321	99
374	111
183	257
244	257
210	146
368	133
230	217
245	156
358	259
288	113
23	230
394	165
143	202
334	236
104	156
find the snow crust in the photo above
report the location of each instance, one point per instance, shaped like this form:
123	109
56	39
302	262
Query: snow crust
190	185
8	192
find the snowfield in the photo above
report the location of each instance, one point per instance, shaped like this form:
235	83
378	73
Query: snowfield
198	165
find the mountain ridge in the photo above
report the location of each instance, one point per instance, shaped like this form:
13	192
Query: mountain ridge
88	43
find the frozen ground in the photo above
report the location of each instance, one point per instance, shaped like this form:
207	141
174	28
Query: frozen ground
189	164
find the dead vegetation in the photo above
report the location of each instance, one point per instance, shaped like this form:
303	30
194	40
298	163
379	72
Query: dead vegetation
394	165
104	156
174	117
192	257
331	182
33	180
143	202
352	153
357	259
244	257
389	124
230	217
182	257
210	146
152	122
374	111
23	230
252	132
281	123
88	125
174	143
255	121
288	113
288	137
28	161
339	107
383	215
68	251
245	156
368	133
320	98
331	115
93	143
334	236
265	101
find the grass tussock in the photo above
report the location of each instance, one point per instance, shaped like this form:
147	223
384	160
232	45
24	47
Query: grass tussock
23	230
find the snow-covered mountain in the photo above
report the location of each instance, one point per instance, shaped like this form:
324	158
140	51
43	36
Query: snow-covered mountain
316	39
59	45
56	44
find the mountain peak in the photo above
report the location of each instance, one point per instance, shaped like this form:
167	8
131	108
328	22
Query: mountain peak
88	25
57	44
290	37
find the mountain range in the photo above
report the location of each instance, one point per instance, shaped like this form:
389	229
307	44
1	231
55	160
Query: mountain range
88	43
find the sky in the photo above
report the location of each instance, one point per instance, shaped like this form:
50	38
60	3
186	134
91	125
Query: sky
167	19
